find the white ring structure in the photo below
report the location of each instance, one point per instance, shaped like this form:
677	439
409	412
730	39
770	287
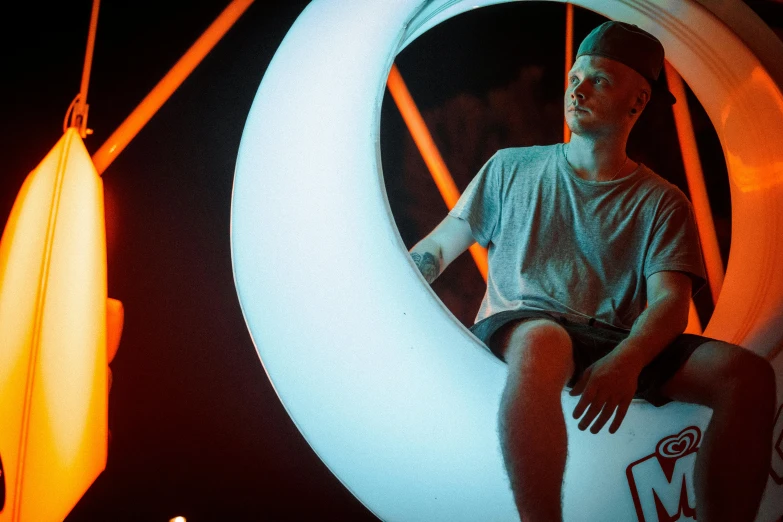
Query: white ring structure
393	394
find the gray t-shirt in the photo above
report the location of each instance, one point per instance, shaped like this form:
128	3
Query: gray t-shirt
582	248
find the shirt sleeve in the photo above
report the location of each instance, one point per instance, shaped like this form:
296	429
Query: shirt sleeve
480	203
675	244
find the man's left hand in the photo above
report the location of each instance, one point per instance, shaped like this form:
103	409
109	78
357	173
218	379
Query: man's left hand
607	385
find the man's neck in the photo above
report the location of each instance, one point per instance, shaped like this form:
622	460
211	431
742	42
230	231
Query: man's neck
597	159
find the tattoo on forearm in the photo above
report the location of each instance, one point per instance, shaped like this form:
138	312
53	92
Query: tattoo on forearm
427	264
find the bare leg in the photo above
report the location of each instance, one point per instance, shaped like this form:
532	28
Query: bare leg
734	458
531	421
733	463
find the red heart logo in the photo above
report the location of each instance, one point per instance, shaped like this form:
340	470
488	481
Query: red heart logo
675	446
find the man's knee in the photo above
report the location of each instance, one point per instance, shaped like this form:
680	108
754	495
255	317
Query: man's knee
539	348
740	374
755	376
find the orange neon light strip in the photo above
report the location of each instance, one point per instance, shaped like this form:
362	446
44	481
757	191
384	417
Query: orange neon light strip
696	186
166	87
569	59
694	323
88	53
437	167
79	115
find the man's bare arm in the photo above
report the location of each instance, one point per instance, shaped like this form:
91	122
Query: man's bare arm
610	382
428	258
665	318
441	246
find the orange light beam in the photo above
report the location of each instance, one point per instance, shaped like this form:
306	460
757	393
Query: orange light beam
166	87
569	59
96	4
696	186
429	151
79	117
694	323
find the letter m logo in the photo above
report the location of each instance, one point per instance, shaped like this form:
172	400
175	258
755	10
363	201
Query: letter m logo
662	483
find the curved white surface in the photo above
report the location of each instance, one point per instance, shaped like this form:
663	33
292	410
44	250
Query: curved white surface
393	394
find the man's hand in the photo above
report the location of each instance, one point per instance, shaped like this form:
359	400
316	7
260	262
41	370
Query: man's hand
607	384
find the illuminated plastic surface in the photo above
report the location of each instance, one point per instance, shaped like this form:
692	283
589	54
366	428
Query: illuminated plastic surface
393	394
53	401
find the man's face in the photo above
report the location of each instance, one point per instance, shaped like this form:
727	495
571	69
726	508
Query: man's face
600	95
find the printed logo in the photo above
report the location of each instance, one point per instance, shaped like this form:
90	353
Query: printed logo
776	468
662	483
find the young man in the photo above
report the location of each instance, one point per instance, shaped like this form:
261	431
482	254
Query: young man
592	261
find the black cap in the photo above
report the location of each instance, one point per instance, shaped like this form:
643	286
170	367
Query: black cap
634	47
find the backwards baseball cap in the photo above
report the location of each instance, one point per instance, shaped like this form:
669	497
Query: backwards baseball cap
634	47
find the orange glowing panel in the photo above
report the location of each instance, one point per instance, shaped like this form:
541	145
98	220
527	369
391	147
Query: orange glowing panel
569	59
696	185
115	319
53	307
429	151
694	323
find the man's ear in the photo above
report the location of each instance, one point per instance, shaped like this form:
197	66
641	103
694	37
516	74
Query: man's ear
643	97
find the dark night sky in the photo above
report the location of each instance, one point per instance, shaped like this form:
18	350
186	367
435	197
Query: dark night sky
197	429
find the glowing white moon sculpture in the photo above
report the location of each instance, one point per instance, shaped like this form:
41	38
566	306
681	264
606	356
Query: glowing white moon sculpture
396	397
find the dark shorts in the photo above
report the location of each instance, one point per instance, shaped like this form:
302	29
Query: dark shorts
590	343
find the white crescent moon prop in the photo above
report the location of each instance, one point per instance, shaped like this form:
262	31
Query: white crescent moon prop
393	394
